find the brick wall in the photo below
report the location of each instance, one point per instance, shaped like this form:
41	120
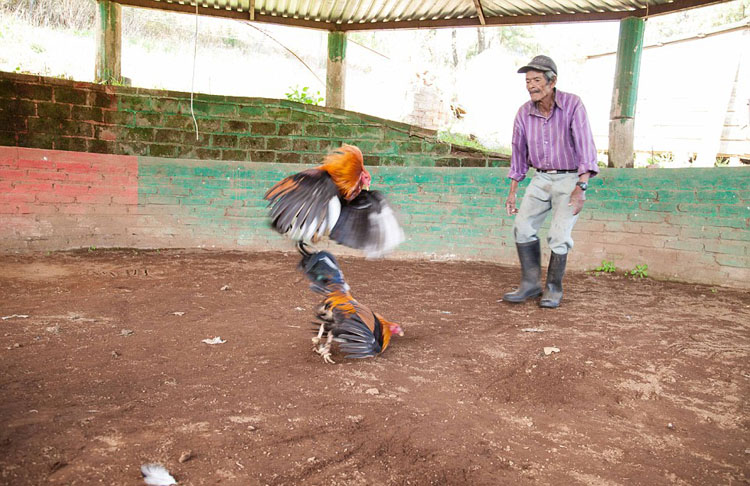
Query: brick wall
686	224
49	113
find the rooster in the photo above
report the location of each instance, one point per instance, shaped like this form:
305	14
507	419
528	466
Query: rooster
360	332
334	200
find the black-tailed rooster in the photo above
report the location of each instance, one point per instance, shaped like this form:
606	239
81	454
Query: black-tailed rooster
334	200
359	332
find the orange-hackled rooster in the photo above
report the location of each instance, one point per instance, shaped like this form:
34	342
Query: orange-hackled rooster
334	200
360	332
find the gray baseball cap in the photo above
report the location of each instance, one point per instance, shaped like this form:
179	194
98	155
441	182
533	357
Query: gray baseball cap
540	63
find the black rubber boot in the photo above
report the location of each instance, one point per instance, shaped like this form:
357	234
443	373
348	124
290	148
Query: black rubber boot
553	291
530	256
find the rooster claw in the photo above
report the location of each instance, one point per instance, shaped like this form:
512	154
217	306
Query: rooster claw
327	359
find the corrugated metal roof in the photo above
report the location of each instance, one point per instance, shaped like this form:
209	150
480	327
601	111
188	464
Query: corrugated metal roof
413	14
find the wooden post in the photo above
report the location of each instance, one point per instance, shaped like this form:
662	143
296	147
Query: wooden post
625	92
108	42
336	70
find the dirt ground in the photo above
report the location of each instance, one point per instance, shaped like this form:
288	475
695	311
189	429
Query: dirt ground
109	371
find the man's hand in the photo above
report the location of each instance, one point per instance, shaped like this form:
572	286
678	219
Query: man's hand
576	200
510	204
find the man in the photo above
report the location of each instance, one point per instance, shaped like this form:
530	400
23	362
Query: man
551	133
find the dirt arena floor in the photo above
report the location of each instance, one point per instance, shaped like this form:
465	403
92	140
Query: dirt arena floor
103	368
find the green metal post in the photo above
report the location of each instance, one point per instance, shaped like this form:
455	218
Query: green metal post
625	93
336	70
108	42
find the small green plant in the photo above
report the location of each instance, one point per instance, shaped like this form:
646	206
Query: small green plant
92	248
721	162
303	96
640	271
606	267
112	80
661	159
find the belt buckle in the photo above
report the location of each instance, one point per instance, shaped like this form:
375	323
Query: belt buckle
551	171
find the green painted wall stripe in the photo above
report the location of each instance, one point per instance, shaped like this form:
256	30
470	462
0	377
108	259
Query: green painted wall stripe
460	210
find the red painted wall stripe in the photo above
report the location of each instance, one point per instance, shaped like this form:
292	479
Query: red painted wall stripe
32	179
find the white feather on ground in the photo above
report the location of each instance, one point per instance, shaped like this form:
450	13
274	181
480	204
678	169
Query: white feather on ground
157	475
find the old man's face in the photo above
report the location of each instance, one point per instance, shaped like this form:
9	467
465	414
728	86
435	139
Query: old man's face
537	85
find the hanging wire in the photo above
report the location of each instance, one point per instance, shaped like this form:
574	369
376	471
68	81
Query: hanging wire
245	22
192	82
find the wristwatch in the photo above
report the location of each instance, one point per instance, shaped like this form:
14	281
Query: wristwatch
582	185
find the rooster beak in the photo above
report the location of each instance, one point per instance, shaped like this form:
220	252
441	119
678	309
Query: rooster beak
367	187
401	333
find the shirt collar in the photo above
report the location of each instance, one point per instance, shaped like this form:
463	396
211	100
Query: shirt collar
556	102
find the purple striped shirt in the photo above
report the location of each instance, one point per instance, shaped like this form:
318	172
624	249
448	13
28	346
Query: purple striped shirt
562	141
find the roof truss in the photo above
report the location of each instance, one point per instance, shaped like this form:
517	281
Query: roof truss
342	15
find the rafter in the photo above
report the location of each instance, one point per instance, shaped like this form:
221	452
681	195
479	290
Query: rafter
480	12
462	18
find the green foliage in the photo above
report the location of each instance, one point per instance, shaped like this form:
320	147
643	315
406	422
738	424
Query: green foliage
114	81
470	141
19	70
640	271
518	40
461	139
662	159
691	22
302	96
231	42
606	267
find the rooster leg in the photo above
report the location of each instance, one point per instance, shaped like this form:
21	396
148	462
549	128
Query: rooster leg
325	350
316	339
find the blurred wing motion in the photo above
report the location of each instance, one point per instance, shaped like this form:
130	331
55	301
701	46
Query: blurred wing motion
368	223
306	205
332	200
360	332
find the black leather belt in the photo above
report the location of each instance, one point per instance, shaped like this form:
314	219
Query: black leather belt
557	171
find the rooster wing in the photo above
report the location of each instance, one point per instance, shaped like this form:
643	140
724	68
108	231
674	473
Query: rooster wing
331	200
357	329
304	205
368	223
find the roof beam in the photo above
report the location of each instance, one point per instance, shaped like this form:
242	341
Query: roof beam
676	6
643	12
228	14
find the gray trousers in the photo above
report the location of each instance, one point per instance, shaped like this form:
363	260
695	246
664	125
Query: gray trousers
547	193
